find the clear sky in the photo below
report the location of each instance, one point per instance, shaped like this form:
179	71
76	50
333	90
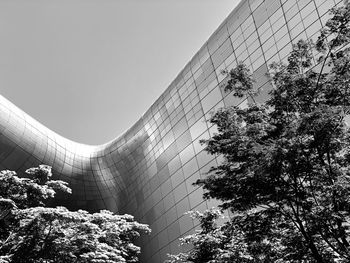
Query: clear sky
88	69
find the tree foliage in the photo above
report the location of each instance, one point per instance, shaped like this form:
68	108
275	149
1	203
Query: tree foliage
213	243
23	192
33	191
59	235
286	170
32	233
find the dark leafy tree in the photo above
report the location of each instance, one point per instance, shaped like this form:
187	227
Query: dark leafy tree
286	170
213	242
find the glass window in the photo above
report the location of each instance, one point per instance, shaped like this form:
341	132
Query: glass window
195	64
187	154
295	32
252	39
168	139
179	193
256	54
171	151
283	41
180	127
264	27
183	141
218	72
240	49
205	89
292	12
243	56
266	35
249	21
186	224
280	22
177	178
310	19
324	8
182	207
248	31
319	2
198	147
217	39
230	59
314	28
268	44
303	3
204	158
271	52
273	6
196	197
207	66
260	15
258	62
197	73
325	18
288	4
166	187
198	128
190	168
254	46
237	38
284	52
282	33
276	16
222	53
211	99
203	55
255	4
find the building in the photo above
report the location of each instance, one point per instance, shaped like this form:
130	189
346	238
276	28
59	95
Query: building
148	171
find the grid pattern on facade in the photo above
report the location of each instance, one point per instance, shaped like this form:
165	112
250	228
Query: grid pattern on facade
149	170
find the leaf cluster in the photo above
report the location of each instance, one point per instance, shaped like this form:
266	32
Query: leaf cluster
33	191
60	235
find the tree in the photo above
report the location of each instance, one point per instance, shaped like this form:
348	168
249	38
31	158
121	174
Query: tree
212	242
59	235
286	170
33	233
20	193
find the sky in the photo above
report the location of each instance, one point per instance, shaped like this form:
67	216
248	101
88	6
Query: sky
88	69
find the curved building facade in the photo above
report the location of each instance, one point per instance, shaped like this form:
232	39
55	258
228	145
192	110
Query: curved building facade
148	171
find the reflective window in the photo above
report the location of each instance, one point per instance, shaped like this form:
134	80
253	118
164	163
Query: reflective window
211	100
187	154
268	44
276	16
179	194
190	167
177	178
198	128
183	140
255	4
288	4
304	3
266	35
260	15
247	23
237	38
295	32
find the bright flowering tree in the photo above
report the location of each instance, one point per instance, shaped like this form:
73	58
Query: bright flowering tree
33	233
286	170
60	235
